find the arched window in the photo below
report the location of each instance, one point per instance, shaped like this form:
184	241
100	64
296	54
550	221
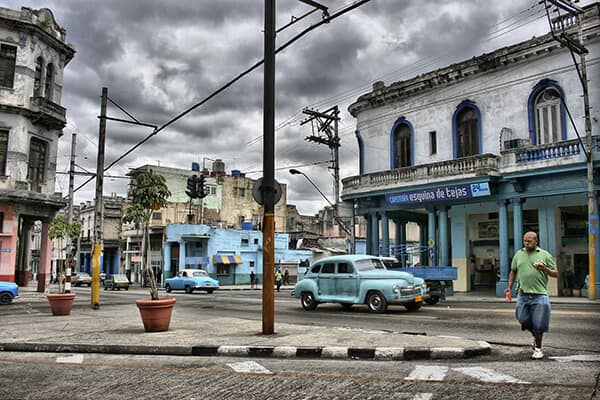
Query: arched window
547	122
361	152
401	144
467	132
37	82
49	82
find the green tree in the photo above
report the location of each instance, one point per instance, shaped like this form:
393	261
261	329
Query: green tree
149	192
60	229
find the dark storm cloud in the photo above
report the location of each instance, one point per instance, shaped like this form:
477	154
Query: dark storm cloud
158	58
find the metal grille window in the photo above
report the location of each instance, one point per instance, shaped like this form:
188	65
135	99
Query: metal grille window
547	117
156	216
3	151
402	146
8	59
37	164
468	135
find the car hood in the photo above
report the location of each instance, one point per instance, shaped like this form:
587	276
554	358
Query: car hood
385	274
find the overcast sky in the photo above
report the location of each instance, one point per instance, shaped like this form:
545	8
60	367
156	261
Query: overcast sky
158	58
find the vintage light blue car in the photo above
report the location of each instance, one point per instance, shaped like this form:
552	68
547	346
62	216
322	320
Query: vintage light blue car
358	279
190	280
8	292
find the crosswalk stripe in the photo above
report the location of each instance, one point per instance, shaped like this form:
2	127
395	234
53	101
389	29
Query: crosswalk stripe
488	375
423	396
577	357
249	367
427	373
74	359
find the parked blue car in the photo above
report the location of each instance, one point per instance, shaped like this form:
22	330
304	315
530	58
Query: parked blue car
358	279
8	292
190	280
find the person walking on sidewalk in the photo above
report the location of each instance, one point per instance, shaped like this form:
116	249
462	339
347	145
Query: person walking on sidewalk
252	279
531	266
278	279
286	277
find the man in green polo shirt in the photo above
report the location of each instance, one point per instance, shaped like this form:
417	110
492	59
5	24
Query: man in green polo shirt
532	266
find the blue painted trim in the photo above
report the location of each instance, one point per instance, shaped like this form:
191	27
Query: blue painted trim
361	152
401	121
463	105
537	89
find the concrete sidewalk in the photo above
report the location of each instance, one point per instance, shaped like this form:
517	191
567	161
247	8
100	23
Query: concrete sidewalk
28	325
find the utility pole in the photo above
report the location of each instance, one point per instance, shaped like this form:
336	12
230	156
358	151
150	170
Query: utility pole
95	300
70	213
577	46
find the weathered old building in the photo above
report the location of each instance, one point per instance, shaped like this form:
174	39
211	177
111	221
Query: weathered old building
481	151
33	55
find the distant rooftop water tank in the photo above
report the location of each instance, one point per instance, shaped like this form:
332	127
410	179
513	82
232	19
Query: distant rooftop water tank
236	172
219	167
195	166
247	225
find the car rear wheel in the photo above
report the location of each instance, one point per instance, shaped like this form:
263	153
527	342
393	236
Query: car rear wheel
168	288
189	289
127	288
5	298
308	301
209	291
413	306
376	302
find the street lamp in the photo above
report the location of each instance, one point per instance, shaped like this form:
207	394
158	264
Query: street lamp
335	216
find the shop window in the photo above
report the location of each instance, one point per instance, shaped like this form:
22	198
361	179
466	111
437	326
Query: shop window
223	269
8	59
37	164
3	151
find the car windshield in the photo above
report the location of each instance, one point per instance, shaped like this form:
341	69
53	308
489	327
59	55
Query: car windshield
369	264
199	273
120	277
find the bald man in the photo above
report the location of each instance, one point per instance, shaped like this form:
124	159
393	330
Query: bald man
532	266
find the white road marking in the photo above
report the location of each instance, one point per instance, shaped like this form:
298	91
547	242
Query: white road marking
423	396
74	359
577	357
429	373
249	367
488	375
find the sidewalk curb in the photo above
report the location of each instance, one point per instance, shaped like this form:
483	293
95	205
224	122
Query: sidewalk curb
348	353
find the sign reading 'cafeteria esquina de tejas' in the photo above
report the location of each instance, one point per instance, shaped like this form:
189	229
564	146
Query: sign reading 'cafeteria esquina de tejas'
440	193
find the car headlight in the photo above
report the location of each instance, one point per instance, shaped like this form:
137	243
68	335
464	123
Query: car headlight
396	288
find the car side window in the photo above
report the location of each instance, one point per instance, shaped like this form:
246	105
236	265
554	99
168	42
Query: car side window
328	268
345	268
316	269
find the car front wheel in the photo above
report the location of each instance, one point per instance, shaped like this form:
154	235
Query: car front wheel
308	301
376	302
189	289
432	300
209	291
168	288
5	298
414	306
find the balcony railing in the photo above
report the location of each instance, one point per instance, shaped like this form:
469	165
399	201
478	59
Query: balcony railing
48	113
486	164
548	151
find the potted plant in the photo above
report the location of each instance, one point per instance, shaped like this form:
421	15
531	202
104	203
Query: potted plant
60	228
149	192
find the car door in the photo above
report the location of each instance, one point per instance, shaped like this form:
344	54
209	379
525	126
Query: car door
178	281
326	282
346	282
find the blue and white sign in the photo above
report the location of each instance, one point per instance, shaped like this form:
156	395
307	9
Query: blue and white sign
457	192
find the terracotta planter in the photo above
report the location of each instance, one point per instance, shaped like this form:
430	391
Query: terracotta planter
156	314
61	303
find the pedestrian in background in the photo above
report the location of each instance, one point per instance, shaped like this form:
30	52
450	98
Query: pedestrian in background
278	279
532	266
252	279
286	277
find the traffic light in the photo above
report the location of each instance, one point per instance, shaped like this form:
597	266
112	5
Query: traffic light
192	186
200	188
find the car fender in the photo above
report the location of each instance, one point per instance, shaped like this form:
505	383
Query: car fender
368	285
307	285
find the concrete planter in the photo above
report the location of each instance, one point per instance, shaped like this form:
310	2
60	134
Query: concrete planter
61	303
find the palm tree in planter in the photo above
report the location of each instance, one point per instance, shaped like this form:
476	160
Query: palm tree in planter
60	228
149	192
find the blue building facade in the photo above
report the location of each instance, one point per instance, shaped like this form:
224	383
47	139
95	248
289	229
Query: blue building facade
228	255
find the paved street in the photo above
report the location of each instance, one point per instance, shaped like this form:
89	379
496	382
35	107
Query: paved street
570	370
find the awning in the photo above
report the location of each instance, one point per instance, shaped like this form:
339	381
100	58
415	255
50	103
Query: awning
196	260
221	259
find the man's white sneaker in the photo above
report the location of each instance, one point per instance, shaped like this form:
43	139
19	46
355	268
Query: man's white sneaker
538	354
